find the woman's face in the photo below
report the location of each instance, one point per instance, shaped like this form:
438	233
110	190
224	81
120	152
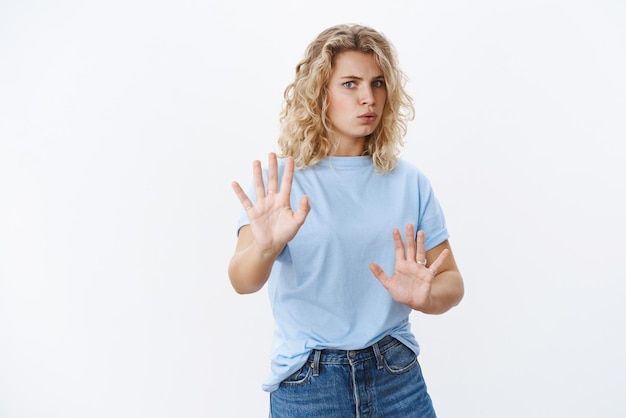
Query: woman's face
356	98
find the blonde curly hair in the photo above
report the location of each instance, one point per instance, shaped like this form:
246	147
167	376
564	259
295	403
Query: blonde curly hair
305	128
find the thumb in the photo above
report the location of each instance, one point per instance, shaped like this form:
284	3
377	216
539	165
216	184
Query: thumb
303	209
379	273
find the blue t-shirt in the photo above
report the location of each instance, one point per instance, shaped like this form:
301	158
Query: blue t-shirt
321	290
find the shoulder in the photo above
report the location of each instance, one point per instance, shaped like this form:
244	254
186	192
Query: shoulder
412	174
408	168
405	165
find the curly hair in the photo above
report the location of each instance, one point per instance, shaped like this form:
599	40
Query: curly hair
305	127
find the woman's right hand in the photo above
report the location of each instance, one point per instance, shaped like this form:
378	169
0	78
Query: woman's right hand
273	223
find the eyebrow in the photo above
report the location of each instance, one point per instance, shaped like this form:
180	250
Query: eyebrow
354	77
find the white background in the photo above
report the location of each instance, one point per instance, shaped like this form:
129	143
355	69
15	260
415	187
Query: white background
123	123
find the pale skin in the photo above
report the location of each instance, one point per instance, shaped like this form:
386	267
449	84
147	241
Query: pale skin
427	281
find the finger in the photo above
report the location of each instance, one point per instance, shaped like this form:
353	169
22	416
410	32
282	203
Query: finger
399	245
243	197
434	267
378	272
410	243
272	173
421	253
287	181
303	209
259	186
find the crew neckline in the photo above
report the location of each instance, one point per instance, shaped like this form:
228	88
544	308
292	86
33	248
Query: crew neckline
347	162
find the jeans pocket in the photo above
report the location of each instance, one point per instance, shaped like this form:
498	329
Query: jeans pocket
300	377
399	359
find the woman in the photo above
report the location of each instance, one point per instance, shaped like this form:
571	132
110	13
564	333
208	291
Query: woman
342	280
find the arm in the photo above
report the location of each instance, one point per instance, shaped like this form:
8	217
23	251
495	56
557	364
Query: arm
250	265
447	286
272	225
433	287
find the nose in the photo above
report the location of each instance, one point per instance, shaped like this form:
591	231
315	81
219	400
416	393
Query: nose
367	95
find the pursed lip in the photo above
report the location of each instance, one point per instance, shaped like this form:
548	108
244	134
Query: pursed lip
369	116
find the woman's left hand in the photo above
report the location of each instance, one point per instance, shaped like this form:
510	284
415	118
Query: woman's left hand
412	279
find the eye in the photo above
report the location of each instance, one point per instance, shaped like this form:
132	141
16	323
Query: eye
378	83
349	84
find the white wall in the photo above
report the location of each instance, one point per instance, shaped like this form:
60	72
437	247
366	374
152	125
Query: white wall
122	124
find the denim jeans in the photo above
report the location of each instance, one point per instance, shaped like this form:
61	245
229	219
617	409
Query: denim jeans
382	381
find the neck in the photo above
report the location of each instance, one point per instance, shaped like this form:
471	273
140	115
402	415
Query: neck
355	148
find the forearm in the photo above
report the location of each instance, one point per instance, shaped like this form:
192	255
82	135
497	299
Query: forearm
250	268
446	293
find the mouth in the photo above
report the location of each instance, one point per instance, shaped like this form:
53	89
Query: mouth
368	117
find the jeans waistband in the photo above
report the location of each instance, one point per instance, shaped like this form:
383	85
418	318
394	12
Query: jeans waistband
332	356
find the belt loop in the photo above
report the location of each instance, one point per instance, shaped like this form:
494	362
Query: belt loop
316	362
378	355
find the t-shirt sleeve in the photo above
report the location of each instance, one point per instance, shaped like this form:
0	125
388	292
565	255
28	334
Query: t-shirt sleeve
431	217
